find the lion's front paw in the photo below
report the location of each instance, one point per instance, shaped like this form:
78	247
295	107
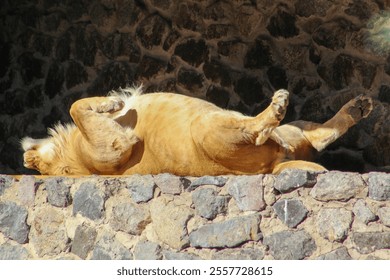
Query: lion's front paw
280	103
111	105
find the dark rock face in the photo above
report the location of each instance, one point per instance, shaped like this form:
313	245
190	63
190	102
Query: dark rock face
193	52
231	53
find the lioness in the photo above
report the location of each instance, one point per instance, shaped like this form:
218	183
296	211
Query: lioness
129	132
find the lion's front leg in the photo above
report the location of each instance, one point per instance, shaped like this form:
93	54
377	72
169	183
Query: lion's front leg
106	143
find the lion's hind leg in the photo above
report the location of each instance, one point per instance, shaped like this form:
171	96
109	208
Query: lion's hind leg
297	164
105	142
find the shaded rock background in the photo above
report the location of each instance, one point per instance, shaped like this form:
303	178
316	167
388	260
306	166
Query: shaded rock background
232	53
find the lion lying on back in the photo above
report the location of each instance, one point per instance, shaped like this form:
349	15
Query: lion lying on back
129	132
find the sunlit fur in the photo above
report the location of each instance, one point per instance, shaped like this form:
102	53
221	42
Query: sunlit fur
128	132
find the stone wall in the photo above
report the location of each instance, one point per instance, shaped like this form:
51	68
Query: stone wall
232	53
295	215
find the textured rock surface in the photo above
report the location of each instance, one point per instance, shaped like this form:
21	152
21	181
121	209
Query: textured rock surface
379	186
367	242
48	233
13	222
89	201
13	252
333	223
102	220
290	211
362	212
170	221
229	233
292	179
208	204
336	185
242	189
58	193
289	245
338	254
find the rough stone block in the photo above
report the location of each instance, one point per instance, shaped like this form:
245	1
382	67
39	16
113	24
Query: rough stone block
208	204
169	255
141	187
168	184
218	181
48	233
130	218
108	248
336	185
290	245
13	252
89	201
384	215
170	222
58	193
379	186
362	212
229	233
84	240
146	250
238	254
247	192
13	221
291	179
26	190
333	223
5	182
368	242
338	254
290	211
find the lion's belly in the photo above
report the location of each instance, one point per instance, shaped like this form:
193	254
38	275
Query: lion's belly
167	145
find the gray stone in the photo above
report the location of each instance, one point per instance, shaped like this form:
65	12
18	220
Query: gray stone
333	223
58	193
229	233
108	248
168	183
290	211
290	245
384	215
141	187
169	255
336	185
291	179
48	233
338	254
26	190
83	241
6	181
146	250
362	212
238	254
208	204
13	221
130	218
13	252
368	242
170	222
247	192
89	201
218	181
379	186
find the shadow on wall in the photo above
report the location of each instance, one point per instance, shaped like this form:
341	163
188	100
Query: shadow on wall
234	54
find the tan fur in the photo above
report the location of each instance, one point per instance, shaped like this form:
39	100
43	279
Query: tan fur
129	132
